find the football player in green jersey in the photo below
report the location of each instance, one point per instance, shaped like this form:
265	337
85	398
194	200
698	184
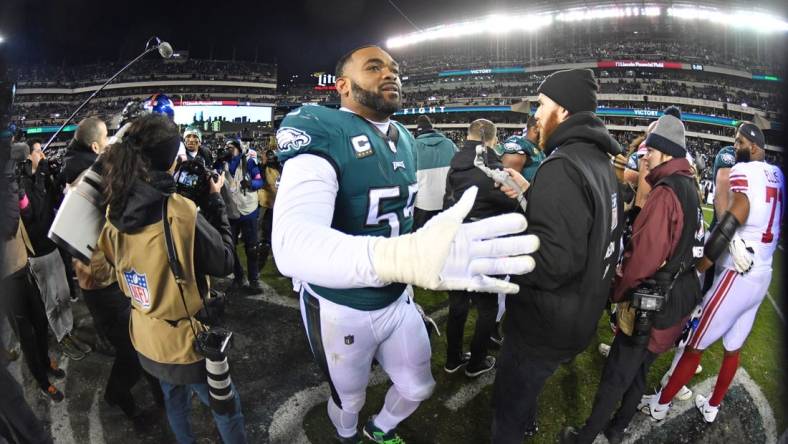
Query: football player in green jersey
723	162
342	222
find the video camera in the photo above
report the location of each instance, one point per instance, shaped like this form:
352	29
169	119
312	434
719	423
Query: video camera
222	153
192	180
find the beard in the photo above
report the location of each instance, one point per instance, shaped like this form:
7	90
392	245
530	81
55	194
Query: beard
546	129
742	155
375	100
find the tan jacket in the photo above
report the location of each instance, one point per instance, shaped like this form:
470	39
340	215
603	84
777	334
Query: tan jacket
267	194
98	274
159	325
15	252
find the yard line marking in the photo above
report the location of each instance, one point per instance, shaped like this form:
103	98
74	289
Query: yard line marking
776	308
287	423
642	426
273	297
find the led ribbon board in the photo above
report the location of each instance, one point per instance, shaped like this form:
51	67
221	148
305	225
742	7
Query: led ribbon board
48	129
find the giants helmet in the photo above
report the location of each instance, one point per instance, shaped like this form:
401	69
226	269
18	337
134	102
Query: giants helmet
161	104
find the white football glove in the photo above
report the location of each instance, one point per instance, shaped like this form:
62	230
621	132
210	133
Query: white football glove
742	255
446	254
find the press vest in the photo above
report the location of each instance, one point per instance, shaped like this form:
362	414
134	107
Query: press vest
686	291
159	325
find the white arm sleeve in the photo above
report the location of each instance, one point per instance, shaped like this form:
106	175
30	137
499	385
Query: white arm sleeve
305	246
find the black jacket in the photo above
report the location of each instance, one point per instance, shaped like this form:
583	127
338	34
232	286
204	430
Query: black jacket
213	245
575	209
78	158
203	154
39	189
463	174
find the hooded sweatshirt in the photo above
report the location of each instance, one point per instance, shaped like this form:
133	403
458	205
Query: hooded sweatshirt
575	210
434	152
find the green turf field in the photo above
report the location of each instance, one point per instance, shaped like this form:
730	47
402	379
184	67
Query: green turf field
567	397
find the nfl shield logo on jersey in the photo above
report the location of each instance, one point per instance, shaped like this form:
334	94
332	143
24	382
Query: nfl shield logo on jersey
138	287
349	339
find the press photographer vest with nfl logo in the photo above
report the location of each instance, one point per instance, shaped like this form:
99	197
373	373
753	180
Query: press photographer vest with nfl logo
686	291
142	270
377	182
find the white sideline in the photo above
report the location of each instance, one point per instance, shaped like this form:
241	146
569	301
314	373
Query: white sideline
641	426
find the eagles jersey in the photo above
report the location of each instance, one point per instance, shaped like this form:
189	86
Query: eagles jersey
764	186
521	145
726	158
377	182
633	160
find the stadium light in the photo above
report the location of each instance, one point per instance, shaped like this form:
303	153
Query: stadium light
1	39
505	23
493	24
756	21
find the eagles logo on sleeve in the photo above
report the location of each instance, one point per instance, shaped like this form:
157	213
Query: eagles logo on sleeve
289	138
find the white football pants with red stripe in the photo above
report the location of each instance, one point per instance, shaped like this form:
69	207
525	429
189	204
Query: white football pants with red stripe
729	308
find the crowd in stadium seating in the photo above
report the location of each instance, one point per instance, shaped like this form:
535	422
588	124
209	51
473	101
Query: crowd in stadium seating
524	55
490	93
144	70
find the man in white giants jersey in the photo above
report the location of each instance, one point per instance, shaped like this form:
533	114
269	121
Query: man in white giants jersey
742	243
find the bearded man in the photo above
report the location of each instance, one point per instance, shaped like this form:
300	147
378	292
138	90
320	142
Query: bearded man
342	227
575	210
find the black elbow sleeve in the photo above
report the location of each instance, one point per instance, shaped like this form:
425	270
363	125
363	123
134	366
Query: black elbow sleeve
721	236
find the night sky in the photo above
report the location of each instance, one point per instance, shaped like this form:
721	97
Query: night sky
302	36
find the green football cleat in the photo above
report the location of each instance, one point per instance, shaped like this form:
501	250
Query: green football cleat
375	434
355	439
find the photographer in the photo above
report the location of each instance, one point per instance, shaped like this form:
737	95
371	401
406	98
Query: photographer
46	264
21	300
267	196
164	329
242	180
658	266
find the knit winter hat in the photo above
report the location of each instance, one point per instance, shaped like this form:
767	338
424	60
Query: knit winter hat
574	89
193	131
423	122
163	153
668	136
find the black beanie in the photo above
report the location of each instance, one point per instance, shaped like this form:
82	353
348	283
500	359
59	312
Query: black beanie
423	122
753	134
574	89
163	153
